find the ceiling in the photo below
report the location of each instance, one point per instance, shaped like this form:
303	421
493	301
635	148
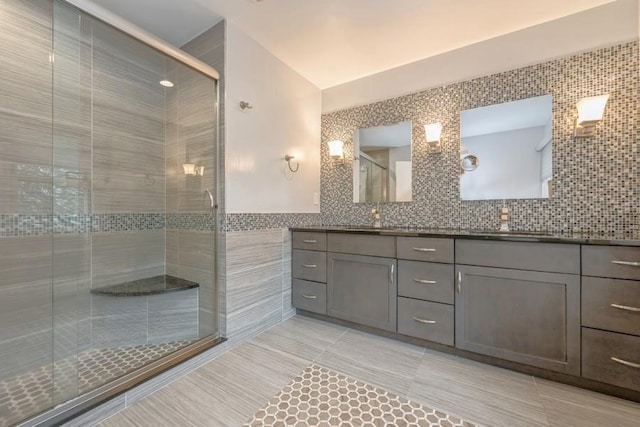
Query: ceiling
334	41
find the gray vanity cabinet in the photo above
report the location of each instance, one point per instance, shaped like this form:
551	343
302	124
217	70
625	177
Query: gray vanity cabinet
362	289
309	271
611	315
528	317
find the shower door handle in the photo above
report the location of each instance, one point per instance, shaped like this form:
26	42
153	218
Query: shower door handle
212	204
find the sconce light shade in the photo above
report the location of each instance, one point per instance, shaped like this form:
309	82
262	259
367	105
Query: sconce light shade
433	133
189	168
590	113
336	149
192	169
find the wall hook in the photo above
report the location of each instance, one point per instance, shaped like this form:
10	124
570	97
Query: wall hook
244	105
288	159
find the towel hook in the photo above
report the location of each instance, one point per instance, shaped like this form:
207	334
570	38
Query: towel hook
288	159
244	105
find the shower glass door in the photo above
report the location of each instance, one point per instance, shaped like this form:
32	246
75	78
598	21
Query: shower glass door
107	199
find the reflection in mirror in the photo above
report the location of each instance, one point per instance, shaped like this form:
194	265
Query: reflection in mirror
505	150
382	166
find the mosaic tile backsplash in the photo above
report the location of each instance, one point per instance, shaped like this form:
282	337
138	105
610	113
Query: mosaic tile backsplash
595	180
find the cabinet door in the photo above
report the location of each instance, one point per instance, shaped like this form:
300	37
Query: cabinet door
362	289
523	316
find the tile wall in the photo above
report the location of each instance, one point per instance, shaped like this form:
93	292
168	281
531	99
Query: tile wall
595	180
209	47
25	168
92	191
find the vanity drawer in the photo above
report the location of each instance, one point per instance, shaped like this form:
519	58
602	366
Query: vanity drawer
611	304
427	320
551	257
309	240
309	265
426	281
600	348
425	249
619	262
362	244
309	296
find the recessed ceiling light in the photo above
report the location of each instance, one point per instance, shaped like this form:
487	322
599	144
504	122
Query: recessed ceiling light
166	83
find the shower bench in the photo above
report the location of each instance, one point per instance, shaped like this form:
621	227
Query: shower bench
151	310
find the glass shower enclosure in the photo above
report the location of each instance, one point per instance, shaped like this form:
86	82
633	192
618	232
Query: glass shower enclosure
107	205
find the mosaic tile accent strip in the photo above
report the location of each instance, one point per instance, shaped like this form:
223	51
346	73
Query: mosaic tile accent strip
191	221
30	393
596	180
127	222
16	225
323	398
265	221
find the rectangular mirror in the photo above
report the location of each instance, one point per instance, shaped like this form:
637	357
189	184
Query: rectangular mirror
382	166
506	150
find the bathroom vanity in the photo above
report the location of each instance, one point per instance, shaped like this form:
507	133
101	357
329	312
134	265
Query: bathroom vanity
561	307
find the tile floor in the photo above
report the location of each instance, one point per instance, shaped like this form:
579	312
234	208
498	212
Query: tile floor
232	389
31	392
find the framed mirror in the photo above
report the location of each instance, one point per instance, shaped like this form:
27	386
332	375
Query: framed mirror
382	164
506	150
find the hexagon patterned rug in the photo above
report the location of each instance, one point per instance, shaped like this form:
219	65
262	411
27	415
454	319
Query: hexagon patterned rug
323	398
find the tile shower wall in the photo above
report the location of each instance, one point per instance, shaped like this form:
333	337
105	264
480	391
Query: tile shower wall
595	180
25	167
253	277
209	47
191	122
85	162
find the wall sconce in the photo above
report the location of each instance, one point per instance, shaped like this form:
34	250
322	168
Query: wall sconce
433	133
590	112
336	149
192	169
288	158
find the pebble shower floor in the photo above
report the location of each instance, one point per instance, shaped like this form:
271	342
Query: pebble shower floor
30	393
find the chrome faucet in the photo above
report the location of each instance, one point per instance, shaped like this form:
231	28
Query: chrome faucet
377	220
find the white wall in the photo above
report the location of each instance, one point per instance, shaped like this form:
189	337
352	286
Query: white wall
285	119
607	25
509	165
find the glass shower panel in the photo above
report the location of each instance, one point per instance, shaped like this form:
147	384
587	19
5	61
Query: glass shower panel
26	343
107	205
373	178
132	225
191	183
72	143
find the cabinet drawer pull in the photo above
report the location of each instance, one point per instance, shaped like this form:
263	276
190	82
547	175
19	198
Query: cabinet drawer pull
310	241
625	363
424	249
309	296
459	287
391	274
309	266
430	322
425	282
627	308
629	263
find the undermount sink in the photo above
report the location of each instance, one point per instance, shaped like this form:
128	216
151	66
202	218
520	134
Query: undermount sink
510	232
368	228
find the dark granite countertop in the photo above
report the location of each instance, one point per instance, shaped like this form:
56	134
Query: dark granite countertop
631	239
148	286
